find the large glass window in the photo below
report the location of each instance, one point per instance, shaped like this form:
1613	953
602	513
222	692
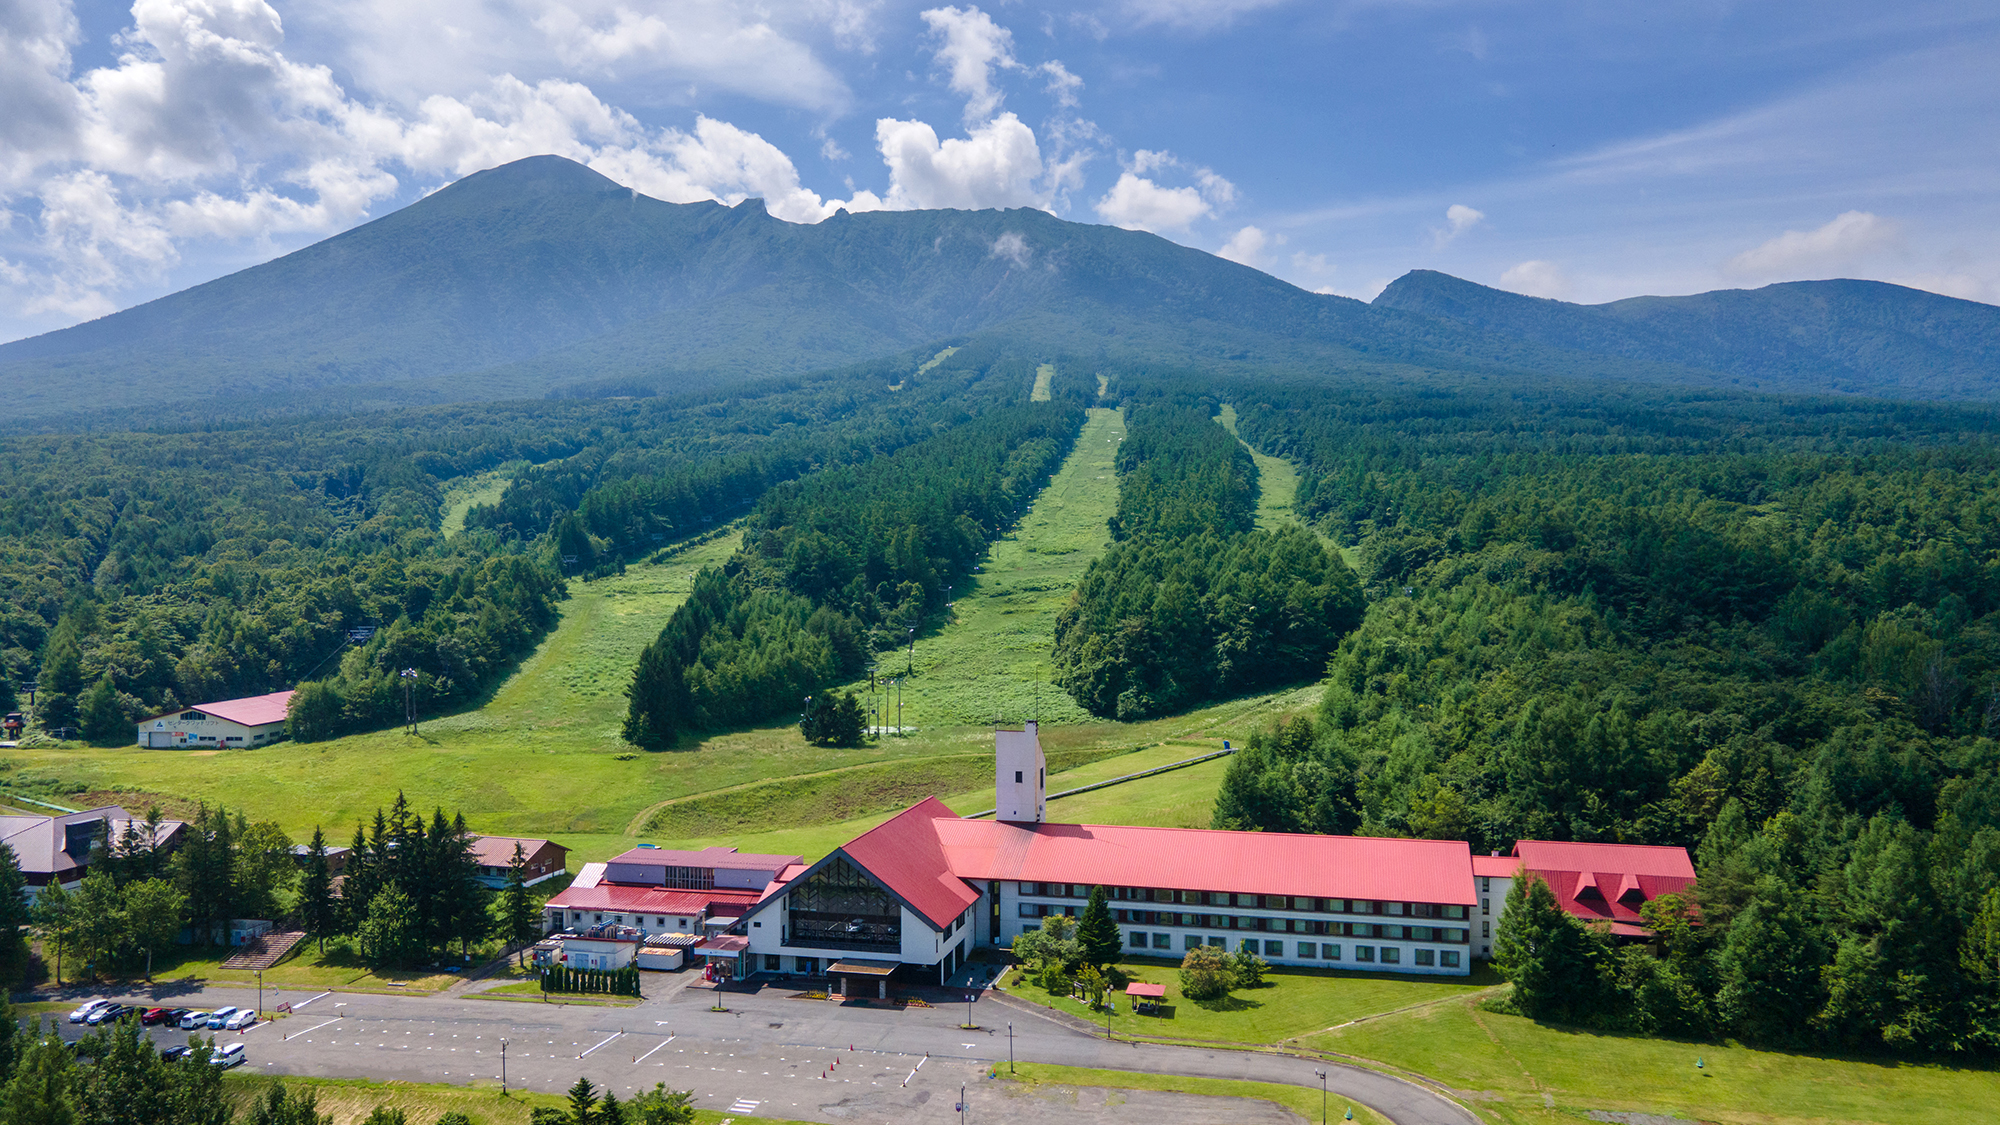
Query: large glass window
840	907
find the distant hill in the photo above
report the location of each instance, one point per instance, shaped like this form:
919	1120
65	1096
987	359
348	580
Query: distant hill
1857	337
544	277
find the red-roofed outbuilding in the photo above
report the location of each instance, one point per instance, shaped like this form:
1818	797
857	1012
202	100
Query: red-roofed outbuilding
229	724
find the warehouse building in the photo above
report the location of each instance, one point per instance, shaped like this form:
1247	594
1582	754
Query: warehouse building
231	724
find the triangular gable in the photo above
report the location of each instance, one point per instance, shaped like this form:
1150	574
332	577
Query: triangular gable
1629	892
840	854
1586	887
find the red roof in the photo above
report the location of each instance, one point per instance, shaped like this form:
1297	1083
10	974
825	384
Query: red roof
1141	988
1496	866
649	900
251	711
1364	867
1608	882
904	852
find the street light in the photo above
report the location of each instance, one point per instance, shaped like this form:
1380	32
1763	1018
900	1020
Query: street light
1010	1046
409	678
503	1069
910	664
1322	1095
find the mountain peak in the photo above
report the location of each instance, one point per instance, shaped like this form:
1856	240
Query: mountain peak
545	175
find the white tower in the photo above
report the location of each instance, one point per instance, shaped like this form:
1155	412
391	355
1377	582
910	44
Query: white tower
1020	776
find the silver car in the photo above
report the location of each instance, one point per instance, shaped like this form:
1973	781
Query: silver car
83	1013
194	1021
219	1017
240	1019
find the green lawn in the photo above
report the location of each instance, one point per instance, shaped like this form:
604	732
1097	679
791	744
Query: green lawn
1300	1100
1045	377
480	488
1277	479
308	970
1293	1002
1528	1072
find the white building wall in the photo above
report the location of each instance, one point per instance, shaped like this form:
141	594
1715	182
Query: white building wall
1020	776
174	732
1492	890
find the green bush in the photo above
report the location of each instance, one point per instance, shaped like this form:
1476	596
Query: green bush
1206	973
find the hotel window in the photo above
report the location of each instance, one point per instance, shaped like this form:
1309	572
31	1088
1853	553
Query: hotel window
1329	952
1030	910
1394	932
1450	958
1028	889
1486	884
1485	929
1218	941
1392	908
1391	955
1424	957
1308	949
1364	953
1017	777
1486	906
1190	941
1420	933
1163	941
1274	949
773	963
1249	944
1452	935
1138	939
1454	911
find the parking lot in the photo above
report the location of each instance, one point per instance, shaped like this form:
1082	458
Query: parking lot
770	1054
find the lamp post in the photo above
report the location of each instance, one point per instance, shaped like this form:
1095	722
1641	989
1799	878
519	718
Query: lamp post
1010	1046
910	663
409	677
503	1068
1322	1095
260	993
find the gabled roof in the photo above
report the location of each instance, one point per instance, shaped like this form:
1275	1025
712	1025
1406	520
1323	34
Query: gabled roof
906	855
1607	882
1276	863
250	711
1496	866
498	851
38	841
627	899
721	858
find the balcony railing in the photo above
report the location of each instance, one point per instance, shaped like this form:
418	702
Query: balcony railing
867	935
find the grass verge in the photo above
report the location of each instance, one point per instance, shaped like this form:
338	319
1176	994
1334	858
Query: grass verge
1519	1071
1306	1103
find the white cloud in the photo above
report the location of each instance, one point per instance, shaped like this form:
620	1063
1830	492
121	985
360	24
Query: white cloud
1846	241
1458	219
97	241
1139	202
972	46
1194	15
1537	278
1062	84
1014	247
1252	247
997	164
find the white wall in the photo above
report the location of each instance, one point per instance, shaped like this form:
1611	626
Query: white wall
1492	892
1019	753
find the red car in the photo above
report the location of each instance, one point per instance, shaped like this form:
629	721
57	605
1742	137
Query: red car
153	1016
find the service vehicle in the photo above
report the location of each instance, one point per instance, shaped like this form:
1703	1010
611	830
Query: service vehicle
229	1056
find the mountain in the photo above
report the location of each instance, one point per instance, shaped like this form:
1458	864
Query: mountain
1858	337
543	277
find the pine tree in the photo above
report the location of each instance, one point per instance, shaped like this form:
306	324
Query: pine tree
518	917
1560	970
98	712
15	917
318	911
583	1103
1097	933
61	682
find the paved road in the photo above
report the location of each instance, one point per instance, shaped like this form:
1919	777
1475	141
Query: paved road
769	1055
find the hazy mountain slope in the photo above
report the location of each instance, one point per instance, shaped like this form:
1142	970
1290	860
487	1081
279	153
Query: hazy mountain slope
1864	337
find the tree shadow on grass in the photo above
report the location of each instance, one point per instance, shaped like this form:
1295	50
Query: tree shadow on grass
1227	1004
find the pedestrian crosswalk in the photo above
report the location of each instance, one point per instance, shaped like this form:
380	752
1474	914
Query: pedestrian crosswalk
744	1105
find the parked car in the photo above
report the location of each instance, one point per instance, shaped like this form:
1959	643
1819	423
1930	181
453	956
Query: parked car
194	1020
240	1019
175	1016
219	1017
231	1055
107	1014
152	1016
171	1054
83	1013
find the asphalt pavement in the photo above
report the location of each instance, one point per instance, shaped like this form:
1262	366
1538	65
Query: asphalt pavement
770	1054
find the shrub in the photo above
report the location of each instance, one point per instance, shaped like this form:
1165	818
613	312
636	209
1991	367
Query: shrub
1246	969
1206	974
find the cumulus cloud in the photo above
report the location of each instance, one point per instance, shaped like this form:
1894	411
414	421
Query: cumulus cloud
972	47
1252	246
1458	219
1537	278
1842	243
1140	202
1013	246
997	164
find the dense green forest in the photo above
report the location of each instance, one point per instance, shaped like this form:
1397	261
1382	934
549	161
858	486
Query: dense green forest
140	572
839	565
1766	630
1191	602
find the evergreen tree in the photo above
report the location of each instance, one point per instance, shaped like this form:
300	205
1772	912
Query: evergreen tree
1769	968
1097	933
40	1091
205	871
318	912
610	1111
155	911
280	1107
582	1103
1561	970
102	719
833	720
1979	958
61	682
16	915
54	920
661	1106
392	934
518	917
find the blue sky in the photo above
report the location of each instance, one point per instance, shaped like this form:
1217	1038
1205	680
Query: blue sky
1588	151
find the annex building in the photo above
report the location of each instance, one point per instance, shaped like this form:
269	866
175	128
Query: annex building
231	724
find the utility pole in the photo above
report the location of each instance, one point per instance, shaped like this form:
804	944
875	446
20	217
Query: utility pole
899	708
503	1068
1010	1046
1322	1096
409	676
910	665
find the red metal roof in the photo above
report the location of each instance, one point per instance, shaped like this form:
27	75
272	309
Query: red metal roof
649	900
1141	988
905	853
1608	882
1364	867
498	851
1496	866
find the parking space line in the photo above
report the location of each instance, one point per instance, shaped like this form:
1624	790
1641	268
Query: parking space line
607	1039
649	1054
317	1026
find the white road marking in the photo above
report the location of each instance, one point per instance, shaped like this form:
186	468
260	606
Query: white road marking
649	1054
607	1039
317	1026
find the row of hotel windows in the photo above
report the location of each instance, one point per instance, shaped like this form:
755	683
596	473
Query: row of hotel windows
1312	926
1256	902
1307	950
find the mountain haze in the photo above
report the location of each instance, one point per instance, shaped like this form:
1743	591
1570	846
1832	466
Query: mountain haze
542	276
